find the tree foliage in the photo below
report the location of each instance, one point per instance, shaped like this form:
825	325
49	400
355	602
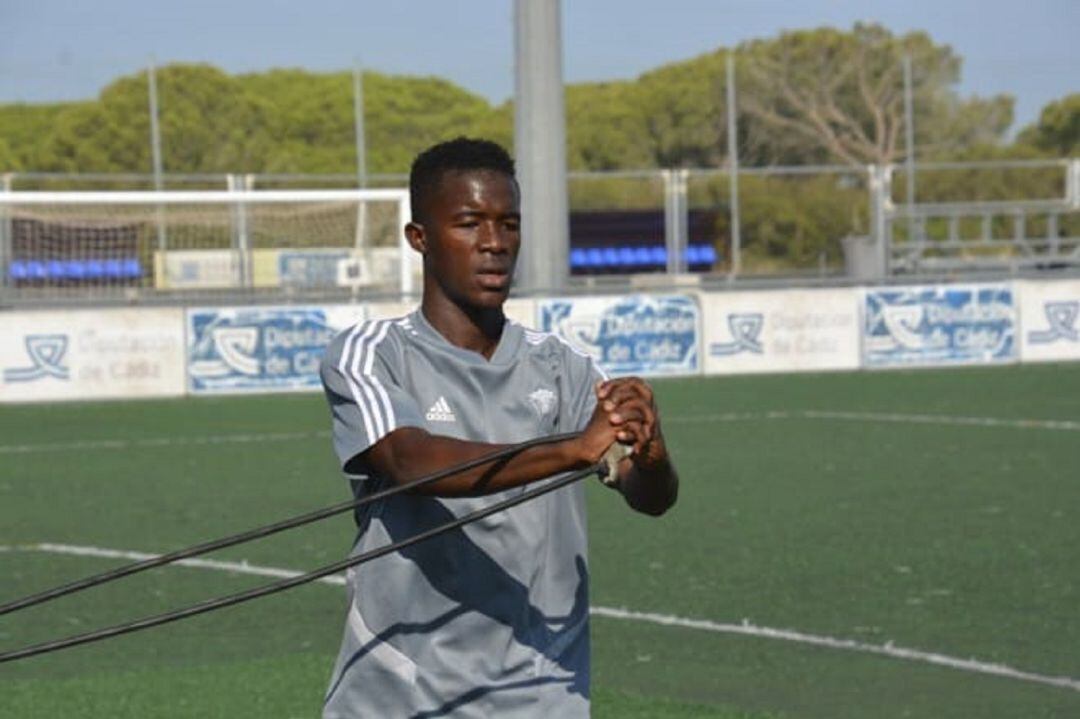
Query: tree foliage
1057	130
287	121
806	96
22	128
842	95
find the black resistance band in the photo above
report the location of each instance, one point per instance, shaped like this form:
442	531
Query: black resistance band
282	585
260	532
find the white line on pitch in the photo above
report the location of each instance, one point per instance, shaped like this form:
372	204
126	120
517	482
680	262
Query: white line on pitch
745	628
937	419
933	419
1056	424
97	444
723	417
238	567
790	635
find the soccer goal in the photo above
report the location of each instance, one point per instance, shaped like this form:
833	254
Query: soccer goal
205	244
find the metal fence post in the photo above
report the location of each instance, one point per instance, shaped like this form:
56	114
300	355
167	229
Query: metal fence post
5	237
669	216
240	242
675	208
1072	183
682	219
880	186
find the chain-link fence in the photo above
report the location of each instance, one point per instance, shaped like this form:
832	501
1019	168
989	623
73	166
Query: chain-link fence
797	224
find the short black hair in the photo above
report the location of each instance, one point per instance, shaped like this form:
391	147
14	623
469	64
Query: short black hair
459	154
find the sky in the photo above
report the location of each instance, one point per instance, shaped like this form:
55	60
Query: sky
54	50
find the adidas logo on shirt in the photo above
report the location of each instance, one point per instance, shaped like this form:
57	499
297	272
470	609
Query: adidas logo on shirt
440	412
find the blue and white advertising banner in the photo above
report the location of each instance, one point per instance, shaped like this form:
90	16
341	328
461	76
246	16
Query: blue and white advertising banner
781	331
1049	320
261	349
939	325
645	335
77	355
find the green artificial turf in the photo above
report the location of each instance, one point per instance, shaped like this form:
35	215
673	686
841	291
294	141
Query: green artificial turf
871	523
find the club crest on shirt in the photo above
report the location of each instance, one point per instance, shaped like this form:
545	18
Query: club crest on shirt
543	401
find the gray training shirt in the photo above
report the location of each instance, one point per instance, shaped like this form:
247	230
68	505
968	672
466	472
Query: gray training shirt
491	619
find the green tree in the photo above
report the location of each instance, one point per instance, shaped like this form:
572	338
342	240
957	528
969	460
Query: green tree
208	124
838	96
313	118
1057	130
8	162
606	128
22	128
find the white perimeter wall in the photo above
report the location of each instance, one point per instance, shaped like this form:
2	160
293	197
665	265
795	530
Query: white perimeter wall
1049	321
781	331
119	353
91	354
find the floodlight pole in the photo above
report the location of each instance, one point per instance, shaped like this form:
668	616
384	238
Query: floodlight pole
540	145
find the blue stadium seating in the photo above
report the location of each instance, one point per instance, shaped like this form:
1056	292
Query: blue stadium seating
128	268
631	258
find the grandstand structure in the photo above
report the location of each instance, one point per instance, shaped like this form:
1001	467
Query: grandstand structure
1002	236
264	239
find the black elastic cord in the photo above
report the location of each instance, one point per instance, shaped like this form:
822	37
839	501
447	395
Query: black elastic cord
265	531
279	586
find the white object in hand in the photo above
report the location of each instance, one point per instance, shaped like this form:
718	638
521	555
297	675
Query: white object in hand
611	460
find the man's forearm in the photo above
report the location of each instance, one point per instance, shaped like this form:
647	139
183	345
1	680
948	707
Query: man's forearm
408	454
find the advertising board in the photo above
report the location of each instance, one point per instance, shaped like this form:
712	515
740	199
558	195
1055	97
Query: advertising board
648	335
939	325
781	331
77	355
1049	320
261	349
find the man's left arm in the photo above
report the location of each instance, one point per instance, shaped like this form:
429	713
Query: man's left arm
646	476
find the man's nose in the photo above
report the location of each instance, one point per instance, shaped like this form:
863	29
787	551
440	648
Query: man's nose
494	237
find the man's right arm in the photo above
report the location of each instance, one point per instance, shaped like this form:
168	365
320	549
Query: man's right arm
378	428
408	453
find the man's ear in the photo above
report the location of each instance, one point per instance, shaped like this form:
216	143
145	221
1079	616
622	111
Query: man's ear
414	233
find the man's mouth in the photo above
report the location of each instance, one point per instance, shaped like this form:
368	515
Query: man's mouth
493	279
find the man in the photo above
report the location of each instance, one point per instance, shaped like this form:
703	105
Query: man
490	620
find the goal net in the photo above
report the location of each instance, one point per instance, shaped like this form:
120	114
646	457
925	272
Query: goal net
205	244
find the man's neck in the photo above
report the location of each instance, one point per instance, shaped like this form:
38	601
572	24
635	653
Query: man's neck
477	330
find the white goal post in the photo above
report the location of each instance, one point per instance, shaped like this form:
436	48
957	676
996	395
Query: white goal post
200	242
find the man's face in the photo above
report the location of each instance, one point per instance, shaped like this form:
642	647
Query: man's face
470	238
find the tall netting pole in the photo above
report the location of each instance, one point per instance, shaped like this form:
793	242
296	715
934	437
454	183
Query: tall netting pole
733	169
540	145
909	141
361	157
155	152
